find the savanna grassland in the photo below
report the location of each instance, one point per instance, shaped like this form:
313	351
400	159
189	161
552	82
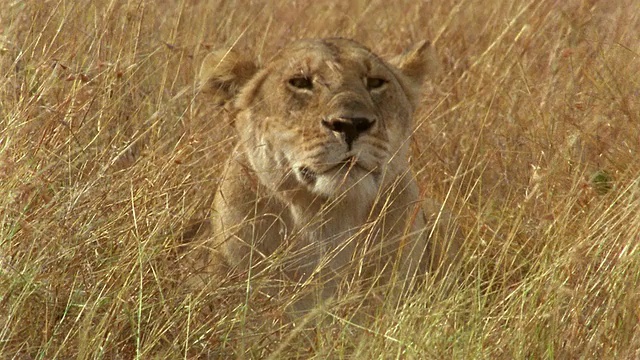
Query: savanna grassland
529	131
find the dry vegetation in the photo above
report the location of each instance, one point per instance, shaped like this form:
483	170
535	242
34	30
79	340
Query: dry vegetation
531	133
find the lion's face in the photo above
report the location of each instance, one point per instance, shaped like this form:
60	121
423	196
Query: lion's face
325	116
328	114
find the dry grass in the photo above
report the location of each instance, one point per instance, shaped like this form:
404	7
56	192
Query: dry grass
531	133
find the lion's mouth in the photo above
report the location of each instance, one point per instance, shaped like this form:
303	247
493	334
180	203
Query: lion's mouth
309	176
306	175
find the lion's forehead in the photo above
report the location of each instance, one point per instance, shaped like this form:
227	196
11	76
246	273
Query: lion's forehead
329	47
339	57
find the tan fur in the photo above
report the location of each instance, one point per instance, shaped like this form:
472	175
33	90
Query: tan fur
295	196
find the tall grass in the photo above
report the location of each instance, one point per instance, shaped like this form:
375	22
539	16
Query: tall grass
530	132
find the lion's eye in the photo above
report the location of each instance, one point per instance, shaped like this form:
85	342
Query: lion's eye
374	83
301	82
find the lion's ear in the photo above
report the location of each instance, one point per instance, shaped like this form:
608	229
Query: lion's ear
417	64
223	73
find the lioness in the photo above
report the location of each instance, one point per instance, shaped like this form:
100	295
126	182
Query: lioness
319	184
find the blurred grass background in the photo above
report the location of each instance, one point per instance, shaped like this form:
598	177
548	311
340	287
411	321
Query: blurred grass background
530	132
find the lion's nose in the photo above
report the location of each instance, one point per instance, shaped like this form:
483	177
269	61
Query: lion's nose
349	127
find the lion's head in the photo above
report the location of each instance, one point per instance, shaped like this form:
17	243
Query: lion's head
323	115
